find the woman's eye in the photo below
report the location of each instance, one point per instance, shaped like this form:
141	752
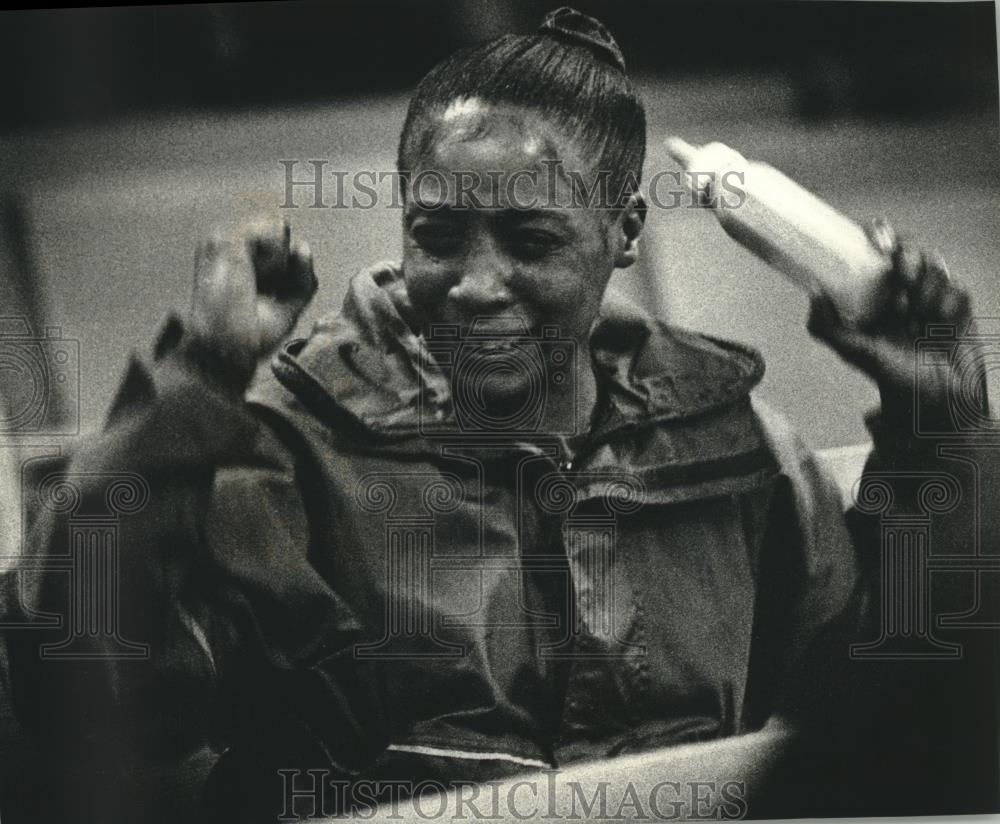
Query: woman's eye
534	244
437	239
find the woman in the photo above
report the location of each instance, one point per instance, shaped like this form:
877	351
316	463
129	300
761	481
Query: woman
488	517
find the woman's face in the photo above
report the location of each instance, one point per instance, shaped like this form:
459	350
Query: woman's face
491	232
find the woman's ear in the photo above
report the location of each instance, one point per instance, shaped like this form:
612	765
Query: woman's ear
631	221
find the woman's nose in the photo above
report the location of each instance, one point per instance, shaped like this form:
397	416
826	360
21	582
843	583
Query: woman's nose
484	283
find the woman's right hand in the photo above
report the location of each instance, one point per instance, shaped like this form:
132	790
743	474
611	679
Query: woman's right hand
249	290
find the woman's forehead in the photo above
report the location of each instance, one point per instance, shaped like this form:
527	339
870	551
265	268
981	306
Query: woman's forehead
476	132
494	155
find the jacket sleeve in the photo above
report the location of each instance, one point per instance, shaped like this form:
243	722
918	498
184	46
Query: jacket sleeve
929	724
137	683
219	629
905	733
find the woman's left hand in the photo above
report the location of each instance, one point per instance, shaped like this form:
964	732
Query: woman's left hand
920	293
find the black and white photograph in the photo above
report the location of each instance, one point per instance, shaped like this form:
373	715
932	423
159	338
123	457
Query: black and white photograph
500	410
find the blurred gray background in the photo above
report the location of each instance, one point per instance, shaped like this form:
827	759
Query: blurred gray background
126	134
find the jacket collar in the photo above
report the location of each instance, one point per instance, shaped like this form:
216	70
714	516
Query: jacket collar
365	367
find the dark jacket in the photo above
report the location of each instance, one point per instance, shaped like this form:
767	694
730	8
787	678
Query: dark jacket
343	572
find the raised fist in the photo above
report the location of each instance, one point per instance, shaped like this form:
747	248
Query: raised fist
249	290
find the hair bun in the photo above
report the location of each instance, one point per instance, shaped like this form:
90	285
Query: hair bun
571	26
